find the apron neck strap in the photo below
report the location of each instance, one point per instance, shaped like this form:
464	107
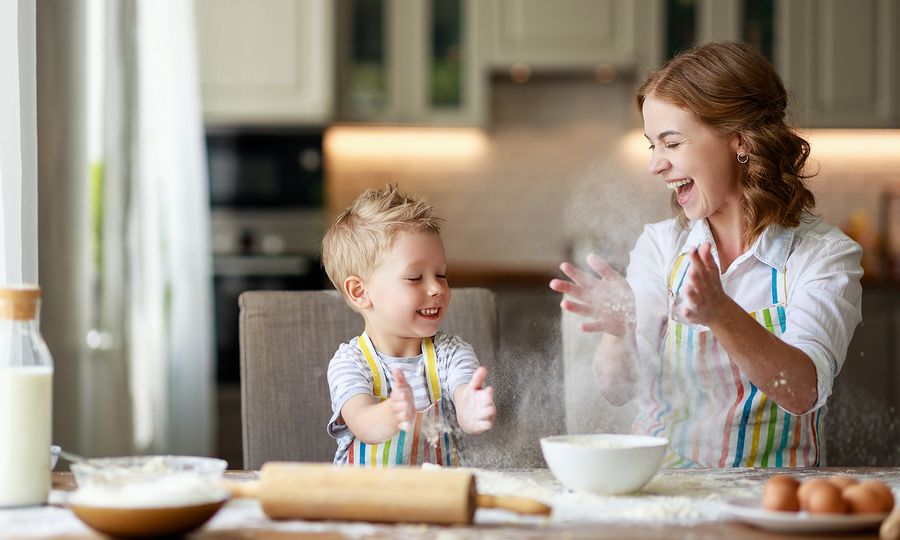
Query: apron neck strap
379	377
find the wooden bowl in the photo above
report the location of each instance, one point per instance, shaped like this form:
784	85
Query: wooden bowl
146	522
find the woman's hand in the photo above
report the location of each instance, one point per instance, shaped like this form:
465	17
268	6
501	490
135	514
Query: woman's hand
704	298
402	401
606	300
475	404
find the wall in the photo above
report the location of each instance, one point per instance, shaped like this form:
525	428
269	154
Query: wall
505	205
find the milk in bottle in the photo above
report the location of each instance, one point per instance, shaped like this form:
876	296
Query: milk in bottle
26	375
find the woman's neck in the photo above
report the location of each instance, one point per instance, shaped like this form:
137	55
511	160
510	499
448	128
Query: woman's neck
728	232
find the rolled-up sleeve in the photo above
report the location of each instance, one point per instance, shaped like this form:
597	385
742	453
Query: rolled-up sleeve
824	308
646	274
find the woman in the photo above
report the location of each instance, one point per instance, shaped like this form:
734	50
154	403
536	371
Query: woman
735	316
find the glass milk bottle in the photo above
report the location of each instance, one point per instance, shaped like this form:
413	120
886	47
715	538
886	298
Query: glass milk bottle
26	375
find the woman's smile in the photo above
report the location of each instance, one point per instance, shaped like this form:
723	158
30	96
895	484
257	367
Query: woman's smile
683	188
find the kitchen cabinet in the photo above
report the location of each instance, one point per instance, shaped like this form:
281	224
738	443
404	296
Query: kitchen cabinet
565	34
840	59
409	62
266	66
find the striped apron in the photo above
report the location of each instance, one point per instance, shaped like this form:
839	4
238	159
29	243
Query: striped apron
709	410
429	440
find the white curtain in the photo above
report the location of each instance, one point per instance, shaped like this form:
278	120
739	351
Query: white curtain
18	143
156	280
120	119
170	297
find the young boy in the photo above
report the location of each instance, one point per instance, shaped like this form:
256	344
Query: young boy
392	385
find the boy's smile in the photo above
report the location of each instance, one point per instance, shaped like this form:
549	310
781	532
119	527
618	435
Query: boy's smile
407	294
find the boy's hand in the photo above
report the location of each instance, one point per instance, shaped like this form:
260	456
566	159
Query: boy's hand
475	404
402	402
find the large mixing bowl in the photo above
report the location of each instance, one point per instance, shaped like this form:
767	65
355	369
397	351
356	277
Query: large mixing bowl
147	496
604	464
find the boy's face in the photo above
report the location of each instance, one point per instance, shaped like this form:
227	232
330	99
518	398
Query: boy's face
408	294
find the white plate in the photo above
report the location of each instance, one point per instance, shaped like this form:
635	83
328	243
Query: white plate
749	511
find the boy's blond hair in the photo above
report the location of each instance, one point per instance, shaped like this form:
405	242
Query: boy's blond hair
363	233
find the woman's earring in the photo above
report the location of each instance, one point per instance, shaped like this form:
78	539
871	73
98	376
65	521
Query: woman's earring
743	157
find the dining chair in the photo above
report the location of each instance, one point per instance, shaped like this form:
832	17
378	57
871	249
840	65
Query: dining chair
286	341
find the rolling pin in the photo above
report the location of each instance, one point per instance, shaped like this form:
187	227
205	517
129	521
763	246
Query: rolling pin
320	491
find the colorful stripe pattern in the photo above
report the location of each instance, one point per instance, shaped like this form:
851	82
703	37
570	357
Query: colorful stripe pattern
711	413
407	448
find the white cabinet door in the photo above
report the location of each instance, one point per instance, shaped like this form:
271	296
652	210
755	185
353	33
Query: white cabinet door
560	33
265	62
406	66
840	58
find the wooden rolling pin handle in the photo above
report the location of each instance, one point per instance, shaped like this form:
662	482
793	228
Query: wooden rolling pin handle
890	527
249	490
519	505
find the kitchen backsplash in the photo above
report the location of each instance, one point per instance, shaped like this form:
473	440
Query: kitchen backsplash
564	165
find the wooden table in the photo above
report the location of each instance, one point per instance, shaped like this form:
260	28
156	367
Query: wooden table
676	504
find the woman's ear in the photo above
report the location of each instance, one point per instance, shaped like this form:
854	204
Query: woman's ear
737	143
355	290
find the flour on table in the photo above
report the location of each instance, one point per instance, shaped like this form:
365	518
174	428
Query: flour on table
670	498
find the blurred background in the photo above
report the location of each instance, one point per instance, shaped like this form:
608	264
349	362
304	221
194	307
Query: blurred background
188	151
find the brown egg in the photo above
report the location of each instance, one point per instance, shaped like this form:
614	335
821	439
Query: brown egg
781	497
843	481
825	498
887	497
806	489
782	480
863	499
780	494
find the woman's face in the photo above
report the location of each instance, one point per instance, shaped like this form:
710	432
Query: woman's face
693	159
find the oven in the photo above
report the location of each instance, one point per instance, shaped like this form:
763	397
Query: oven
268	218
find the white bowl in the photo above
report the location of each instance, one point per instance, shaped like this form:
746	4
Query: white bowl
605	464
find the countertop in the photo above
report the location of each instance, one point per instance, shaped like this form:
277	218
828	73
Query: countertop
675	504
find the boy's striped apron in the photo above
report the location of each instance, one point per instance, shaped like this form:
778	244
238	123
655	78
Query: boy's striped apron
432	445
709	410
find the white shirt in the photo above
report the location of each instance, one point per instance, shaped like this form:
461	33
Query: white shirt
822	271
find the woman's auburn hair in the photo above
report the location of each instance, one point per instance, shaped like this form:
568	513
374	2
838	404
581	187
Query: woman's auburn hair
734	89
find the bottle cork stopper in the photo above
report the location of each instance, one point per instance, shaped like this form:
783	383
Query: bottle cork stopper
19	303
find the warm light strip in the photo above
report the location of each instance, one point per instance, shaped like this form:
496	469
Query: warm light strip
832	145
854	143
381	143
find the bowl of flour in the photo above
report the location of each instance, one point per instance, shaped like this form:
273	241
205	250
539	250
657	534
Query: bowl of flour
604	464
147	496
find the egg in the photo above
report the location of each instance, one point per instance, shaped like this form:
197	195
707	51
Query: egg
825	498
780	494
806	488
843	481
781	497
887	497
862	499
782	480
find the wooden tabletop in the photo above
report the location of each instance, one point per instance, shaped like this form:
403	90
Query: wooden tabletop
675	504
